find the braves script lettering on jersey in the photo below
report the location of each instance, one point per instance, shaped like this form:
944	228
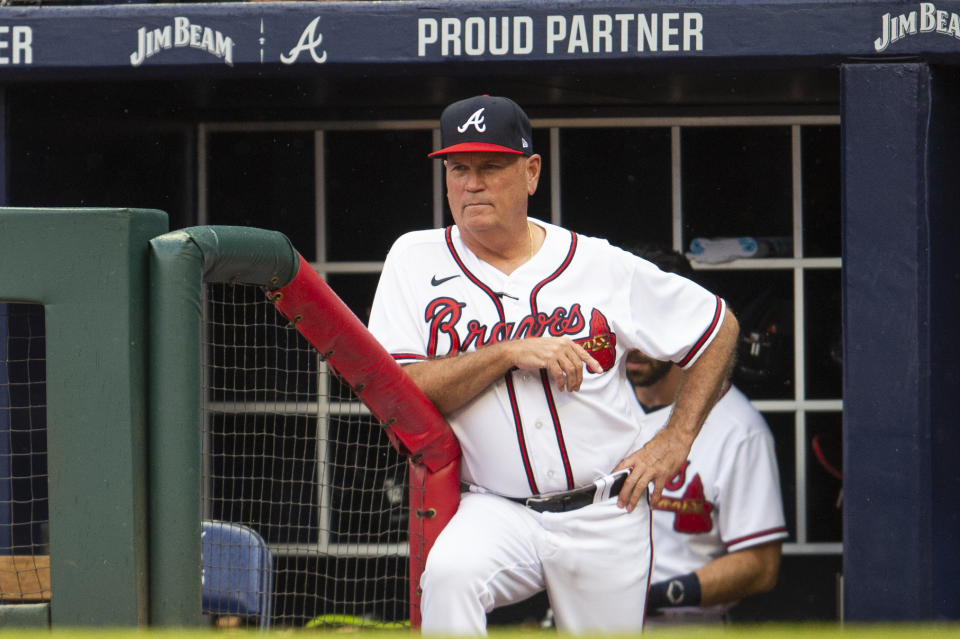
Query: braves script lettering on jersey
725	498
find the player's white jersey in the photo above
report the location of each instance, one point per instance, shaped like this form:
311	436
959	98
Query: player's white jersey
725	498
437	298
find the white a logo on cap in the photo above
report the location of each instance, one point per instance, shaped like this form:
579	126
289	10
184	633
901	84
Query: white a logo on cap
476	120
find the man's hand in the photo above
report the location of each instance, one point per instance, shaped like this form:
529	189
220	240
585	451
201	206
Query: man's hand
561	357
656	462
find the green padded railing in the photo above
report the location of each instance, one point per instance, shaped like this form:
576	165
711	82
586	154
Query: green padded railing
180	262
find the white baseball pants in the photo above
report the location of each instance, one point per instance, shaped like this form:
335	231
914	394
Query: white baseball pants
594	563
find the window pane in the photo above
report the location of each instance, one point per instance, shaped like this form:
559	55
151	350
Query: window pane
264	180
379	186
821	191
763	304
824	473
616	184
736	181
824	347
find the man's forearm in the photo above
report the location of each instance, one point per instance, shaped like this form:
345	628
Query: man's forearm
736	575
704	380
662	456
450	382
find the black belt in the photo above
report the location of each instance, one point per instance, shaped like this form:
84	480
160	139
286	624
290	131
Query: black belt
568	500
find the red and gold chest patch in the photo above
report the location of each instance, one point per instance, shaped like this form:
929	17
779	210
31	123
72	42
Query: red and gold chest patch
601	342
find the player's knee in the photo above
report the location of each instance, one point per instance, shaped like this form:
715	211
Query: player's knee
447	577
450	604
444	573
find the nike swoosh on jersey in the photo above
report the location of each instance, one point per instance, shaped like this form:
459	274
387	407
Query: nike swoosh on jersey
435	282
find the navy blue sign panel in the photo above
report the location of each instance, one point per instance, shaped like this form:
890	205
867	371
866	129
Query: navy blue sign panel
233	35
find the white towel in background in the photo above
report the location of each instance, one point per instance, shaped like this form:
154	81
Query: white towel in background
726	249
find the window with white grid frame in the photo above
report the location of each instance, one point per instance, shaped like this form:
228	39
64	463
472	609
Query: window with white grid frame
665	181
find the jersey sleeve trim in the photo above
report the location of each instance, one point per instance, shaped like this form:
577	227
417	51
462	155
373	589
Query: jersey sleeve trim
707	336
763	536
400	357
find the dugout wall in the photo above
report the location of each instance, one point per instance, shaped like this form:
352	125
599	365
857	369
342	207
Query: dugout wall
303	106
88	270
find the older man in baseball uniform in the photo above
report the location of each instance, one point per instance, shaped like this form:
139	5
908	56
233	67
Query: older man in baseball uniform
516	329
719	525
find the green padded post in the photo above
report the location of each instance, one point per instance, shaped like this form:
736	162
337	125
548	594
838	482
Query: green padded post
88	267
180	262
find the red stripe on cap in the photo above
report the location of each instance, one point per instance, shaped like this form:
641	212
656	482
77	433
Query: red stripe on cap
474	147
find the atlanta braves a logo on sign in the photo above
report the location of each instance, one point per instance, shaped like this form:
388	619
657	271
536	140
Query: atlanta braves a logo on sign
310	40
692	510
444	315
476	121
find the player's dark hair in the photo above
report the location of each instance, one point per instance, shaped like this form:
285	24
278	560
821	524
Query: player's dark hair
666	259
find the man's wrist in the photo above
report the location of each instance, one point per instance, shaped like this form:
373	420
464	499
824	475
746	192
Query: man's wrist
682	429
683	590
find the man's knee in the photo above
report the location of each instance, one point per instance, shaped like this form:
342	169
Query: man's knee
455	574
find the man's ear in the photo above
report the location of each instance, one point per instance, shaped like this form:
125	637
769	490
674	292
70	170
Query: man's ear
533	173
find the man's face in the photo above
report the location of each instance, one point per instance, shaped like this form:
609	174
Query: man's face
645	371
487	189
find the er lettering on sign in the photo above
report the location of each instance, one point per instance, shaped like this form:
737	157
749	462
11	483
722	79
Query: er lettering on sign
16	44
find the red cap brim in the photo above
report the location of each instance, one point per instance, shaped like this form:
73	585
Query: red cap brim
475	147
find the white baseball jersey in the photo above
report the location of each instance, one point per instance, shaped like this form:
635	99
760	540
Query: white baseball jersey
725	498
525	437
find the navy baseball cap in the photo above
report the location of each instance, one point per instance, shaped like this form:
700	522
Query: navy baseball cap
485	123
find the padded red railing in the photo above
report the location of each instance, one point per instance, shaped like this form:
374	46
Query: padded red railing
411	421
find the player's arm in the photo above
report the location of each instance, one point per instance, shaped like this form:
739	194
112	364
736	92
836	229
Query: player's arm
660	458
450	382
736	575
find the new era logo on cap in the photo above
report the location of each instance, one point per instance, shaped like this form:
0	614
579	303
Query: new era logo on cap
485	123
